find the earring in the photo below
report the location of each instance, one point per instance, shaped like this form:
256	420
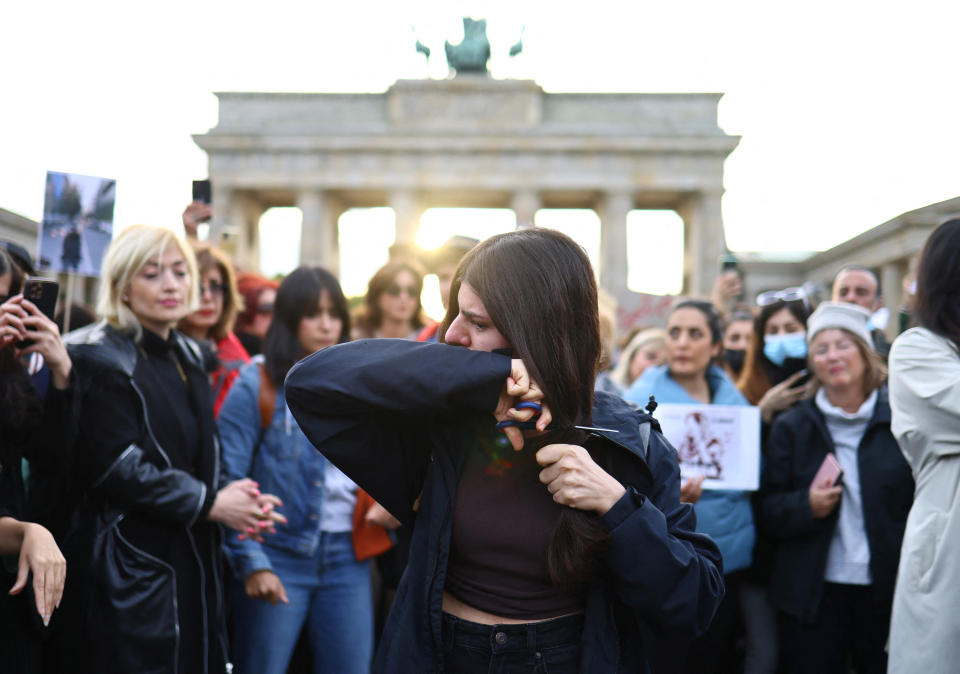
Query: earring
126	299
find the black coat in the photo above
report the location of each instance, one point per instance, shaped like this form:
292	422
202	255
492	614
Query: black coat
799	442
144	587
393	415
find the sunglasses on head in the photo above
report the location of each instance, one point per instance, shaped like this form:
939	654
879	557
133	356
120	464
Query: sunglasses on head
786	295
395	290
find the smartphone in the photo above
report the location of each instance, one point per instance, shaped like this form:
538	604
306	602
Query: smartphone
201	191
728	262
831	470
43	294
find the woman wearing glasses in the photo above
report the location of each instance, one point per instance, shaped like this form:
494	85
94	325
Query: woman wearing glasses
525	548
392	305
253	321
212	323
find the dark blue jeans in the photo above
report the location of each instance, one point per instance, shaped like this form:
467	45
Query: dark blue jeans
548	647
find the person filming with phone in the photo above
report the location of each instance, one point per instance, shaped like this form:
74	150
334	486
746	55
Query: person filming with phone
835	495
32	425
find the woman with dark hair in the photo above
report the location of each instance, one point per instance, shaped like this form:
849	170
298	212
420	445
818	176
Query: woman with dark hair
34	426
690	376
777	353
837	535
307	573
925	397
212	323
524	554
392	304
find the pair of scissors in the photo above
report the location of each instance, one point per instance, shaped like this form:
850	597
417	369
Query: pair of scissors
532	423
523	425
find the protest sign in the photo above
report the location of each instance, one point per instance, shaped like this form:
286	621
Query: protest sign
721	442
77	223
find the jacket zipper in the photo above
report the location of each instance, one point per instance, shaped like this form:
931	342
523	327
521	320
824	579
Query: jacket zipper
228	666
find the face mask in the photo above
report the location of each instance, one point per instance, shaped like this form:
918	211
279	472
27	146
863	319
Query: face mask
735	358
777	348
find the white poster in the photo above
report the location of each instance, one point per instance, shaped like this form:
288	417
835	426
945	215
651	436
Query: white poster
721	442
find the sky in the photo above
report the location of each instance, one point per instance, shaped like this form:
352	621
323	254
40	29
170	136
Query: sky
847	110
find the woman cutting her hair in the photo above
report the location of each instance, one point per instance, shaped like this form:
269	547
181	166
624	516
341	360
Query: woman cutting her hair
525	549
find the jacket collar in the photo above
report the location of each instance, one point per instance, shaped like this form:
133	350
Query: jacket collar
881	413
113	348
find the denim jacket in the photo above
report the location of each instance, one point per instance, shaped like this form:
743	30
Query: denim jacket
286	465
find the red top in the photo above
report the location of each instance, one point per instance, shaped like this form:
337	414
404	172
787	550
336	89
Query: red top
232	357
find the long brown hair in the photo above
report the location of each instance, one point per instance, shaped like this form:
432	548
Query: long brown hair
370	317
754	382
539	290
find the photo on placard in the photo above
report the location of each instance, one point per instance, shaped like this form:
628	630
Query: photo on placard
720	442
77	223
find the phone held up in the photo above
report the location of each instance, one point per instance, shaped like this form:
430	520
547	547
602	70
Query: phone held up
43	294
830	470
201	192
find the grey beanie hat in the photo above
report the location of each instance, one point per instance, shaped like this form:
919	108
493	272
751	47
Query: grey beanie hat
850	317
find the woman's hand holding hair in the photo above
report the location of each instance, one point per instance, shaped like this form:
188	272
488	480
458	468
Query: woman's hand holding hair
575	479
781	396
824	498
241	506
265	585
520	387
40	555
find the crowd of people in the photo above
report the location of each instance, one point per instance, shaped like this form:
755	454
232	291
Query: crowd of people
223	472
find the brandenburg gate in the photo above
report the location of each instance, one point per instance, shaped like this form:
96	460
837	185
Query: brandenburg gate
471	141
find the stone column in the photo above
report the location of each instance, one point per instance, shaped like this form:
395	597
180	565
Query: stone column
234	226
891	286
704	242
407	209
613	211
319	234
525	205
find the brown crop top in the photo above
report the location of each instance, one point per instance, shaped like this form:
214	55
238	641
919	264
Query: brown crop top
503	520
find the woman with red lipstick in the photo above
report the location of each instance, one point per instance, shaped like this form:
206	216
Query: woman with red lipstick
212	323
145	590
837	538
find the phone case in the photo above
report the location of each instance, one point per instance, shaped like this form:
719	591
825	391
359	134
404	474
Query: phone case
829	469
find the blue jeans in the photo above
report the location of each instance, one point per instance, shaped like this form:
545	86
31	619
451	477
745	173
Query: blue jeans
548	647
329	592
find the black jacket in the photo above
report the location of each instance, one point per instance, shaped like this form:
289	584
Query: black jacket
393	414
799	442
144	589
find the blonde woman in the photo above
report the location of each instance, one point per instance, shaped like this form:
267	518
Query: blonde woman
145	592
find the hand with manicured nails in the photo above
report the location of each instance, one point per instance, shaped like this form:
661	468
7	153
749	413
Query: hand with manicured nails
241	506
576	480
40	556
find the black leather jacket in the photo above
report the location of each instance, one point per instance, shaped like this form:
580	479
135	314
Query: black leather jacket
145	588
